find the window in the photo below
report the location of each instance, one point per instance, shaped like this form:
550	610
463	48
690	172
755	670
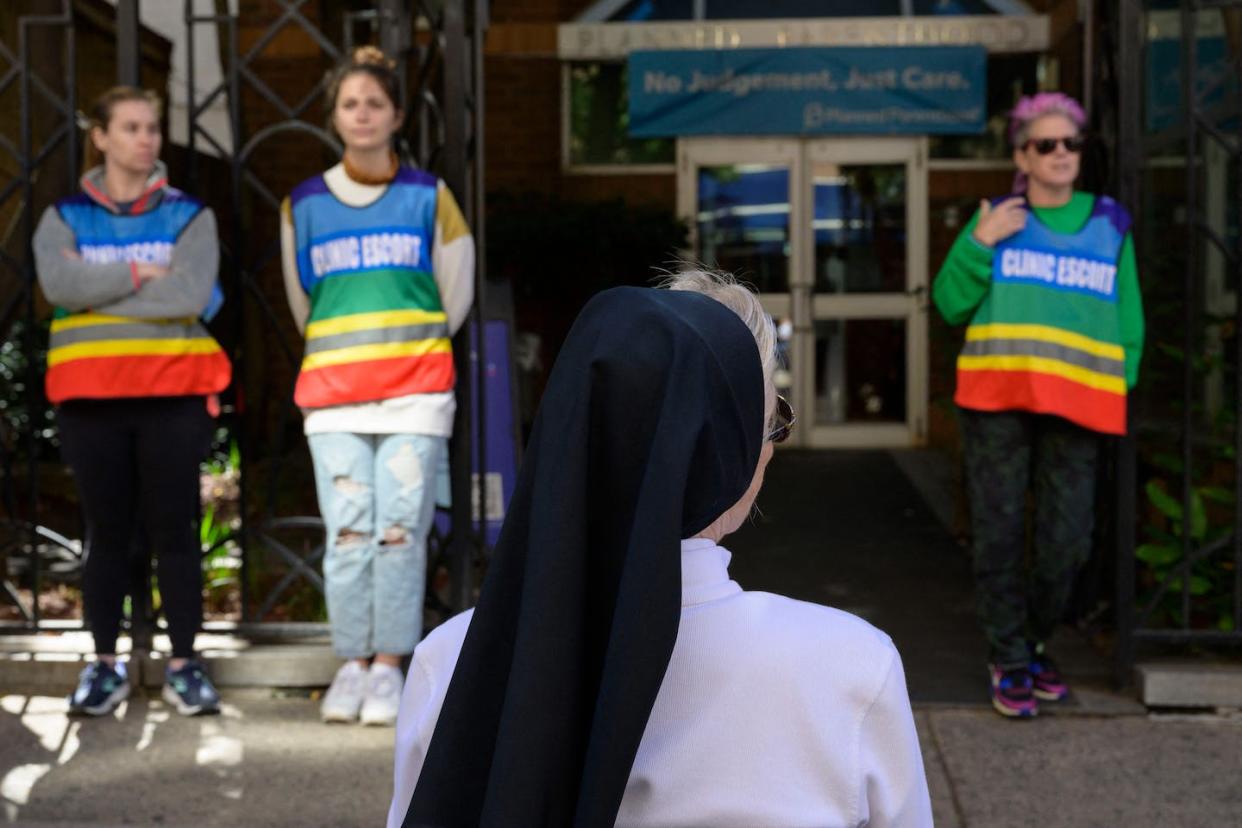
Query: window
598	115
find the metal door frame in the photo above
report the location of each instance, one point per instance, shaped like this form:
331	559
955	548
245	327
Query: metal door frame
800	303
910	305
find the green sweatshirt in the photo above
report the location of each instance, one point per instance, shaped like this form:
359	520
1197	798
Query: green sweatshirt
966	276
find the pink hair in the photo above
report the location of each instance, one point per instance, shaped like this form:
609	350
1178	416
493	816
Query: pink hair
1032	107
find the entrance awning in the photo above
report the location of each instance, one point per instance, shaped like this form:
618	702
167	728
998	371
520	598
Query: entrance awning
614	41
611	29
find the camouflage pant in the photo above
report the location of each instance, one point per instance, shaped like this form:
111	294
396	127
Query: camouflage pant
1006	453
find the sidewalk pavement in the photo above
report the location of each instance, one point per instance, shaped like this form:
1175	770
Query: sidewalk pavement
848	529
1082	771
268	761
842	528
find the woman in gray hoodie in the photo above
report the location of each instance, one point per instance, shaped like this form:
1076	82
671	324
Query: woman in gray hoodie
130	264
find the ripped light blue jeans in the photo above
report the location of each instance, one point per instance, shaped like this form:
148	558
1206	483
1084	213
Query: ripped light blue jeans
377	498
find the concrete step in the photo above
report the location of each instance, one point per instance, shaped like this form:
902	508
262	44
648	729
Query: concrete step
1190	684
50	662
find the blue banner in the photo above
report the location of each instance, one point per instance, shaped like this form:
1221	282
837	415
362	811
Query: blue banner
808	91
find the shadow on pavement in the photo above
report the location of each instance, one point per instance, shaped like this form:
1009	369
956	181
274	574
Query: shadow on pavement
847	529
263	761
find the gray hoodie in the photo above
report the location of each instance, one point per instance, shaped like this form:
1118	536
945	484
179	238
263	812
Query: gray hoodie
113	289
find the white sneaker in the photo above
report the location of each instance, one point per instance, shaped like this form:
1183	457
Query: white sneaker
383	695
344	698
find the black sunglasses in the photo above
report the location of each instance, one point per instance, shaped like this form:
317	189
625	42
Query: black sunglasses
1047	146
785	419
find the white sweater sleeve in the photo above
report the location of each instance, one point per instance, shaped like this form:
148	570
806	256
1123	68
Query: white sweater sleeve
452	259
894	785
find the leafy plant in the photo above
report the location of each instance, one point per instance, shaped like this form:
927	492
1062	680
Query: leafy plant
1167	526
1210	577
219	478
16	416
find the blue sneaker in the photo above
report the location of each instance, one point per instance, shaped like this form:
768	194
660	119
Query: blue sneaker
190	691
100	689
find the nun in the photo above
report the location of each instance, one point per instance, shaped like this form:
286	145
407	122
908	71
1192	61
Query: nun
612	673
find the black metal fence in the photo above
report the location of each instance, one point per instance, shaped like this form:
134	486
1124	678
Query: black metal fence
1179	565
438	45
30	548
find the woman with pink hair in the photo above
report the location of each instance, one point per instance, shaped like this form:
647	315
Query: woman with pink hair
1046	279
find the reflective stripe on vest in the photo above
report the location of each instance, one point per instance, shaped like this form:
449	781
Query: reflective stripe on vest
1046	337
377	328
97	356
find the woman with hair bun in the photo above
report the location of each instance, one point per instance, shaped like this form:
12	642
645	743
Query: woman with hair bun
379	273
131	264
1046	278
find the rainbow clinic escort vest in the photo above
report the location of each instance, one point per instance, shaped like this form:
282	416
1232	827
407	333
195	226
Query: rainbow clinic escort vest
1047	337
377	329
97	356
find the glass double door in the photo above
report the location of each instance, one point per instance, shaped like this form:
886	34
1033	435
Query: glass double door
833	233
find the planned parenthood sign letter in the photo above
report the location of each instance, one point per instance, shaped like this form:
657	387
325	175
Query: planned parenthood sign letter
808	91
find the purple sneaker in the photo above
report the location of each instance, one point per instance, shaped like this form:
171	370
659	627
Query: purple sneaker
1011	692
1046	678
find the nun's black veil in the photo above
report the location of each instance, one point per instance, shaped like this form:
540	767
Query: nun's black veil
650	429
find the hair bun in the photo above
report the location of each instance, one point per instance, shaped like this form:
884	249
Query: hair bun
373	56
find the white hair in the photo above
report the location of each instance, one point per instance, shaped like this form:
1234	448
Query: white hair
737	297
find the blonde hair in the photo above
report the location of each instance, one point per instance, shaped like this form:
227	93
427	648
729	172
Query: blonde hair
737	297
99	115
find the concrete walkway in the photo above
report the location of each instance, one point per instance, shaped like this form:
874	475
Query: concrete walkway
849	529
264	761
842	528
1081	771
267	761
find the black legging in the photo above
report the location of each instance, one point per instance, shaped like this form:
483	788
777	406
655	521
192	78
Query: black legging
135	457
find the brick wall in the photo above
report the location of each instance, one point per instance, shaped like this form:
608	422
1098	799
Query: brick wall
536	11
523	150
522	119
523	112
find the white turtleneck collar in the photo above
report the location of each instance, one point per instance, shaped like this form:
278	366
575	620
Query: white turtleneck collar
705	572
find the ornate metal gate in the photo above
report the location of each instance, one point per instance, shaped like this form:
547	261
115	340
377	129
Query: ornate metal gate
1188	565
45	126
439	45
